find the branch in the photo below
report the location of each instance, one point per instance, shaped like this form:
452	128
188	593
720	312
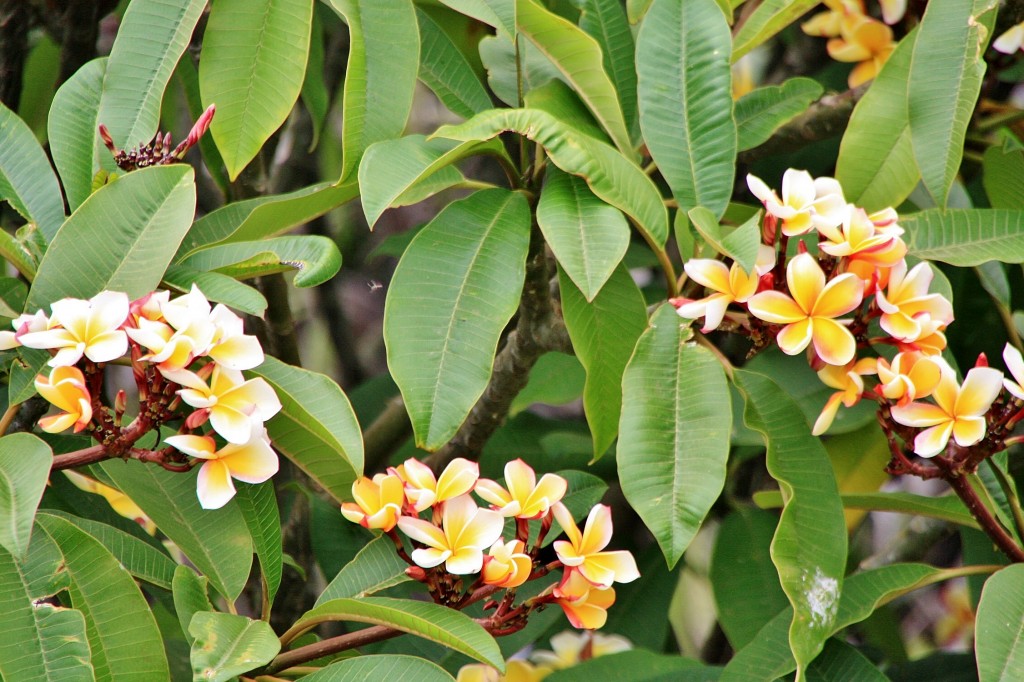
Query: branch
965	491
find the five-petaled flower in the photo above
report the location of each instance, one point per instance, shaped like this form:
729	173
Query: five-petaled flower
806	202
906	304
378	502
729	284
582	551
585	604
910	375
233	404
847	379
507	564
526	498
465	532
251	462
91	328
423	490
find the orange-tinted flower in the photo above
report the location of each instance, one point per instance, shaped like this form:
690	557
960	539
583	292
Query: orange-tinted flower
65	388
858	237
423	490
729	284
910	376
906	303
526	498
863	40
507	565
585	604
378	502
466	530
582	552
850	385
119	502
516	670
235	405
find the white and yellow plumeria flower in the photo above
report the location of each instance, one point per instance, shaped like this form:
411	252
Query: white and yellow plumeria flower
526	498
906	303
850	384
910	375
516	670
465	532
582	551
585	604
567	648
231	347
893	10
1014	363
423	490
959	411
809	315
91	328
378	502
1010	41
23	324
235	405
858	237
806	202
251	462
66	389
507	564
119	502
863	40
729	284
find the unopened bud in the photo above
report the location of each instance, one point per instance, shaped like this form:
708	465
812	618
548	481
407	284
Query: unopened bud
107	139
197	418
416	573
769	229
982	360
120	403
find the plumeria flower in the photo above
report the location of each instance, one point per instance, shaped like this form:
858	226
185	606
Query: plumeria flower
858	237
582	551
1014	363
423	490
233	404
231	347
378	502
906	303
729	284
466	530
959	410
829	24
910	375
90	328
932	340
585	605
65	388
184	333
1010	41
863	40
850	384
806	202
516	670
507	564
251	462
119	502
809	315
526	498
23	324
569	648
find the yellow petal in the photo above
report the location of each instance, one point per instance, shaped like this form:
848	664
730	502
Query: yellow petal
840	296
458	478
979	390
805	280
833	342
775	307
931	442
968	430
214	487
794	338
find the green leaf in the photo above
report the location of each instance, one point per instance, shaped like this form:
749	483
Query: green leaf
26	180
389	169
946	507
770	17
314	90
637	666
252	67
392	667
946	70
383	63
993	279
636	9
578	57
741	243
218	288
216	541
315	258
840	662
225	645
445	70
498	55
258	505
559	100
501	14
555	379
674	432
603	334
587	236
41	641
746	585
433	622
809	548
121	238
605	21
610	175
876	165
376	567
966	236
263	217
123	636
760	112
999	637
189	591
685	89
187	77
24	467
454	290
13	293
18	254
1004	176
316	428
71	129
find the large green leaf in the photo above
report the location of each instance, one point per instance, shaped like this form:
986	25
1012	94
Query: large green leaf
605	21
390	168
454	290
946	70
383	63
999	637
578	57
123	637
225	645
121	238
71	129
514	67
588	236
434	622
946	507
809	548
217	287
876	163
603	334
501	14
258	505
841	662
636	666
674	431
685	90
24	467
40	642
392	667
446	70
762	110
316	428
252	68
741	244
216	541
376	567
150	40
966	236
770	17
1004	176
27	181
610	175
315	258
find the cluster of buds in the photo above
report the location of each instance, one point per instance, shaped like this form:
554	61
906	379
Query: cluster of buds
568	649
187	360
854	36
451	536
848	304
158	151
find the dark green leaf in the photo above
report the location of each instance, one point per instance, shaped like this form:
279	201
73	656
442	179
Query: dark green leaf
259	509
393	668
605	21
760	112
315	258
71	128
217	287
190	597
445	70
376	567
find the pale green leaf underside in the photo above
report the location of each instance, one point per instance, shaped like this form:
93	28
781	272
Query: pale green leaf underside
445	70
769	18
390	667
218	288
225	645
741	243
24	468
71	128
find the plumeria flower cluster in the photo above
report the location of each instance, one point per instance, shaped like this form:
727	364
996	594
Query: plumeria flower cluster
568	648
854	36
452	536
187	359
848	308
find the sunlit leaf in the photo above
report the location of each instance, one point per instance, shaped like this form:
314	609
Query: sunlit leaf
766	20
225	645
27	181
314	258
966	236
